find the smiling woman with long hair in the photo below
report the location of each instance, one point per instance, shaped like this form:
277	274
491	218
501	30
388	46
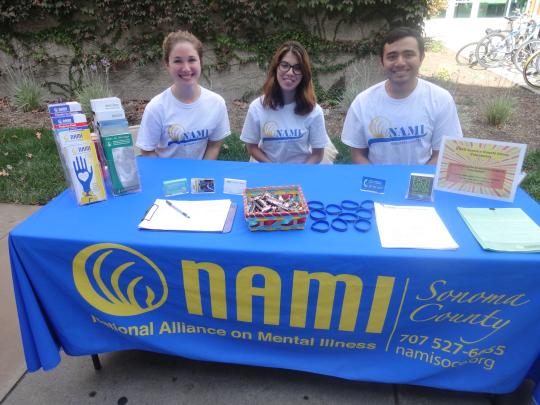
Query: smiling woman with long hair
286	124
186	120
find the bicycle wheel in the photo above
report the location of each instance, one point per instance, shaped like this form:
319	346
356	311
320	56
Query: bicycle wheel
531	71
491	50
524	51
466	56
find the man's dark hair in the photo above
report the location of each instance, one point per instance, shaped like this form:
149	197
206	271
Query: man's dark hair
399	33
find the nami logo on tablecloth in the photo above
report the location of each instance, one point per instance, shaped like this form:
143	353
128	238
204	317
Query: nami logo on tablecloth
120	289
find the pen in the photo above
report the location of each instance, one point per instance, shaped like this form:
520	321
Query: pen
177	209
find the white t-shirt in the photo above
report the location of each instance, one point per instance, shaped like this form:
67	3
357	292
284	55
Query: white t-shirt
401	131
284	136
176	129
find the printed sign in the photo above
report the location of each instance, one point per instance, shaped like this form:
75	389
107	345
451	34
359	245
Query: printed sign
480	168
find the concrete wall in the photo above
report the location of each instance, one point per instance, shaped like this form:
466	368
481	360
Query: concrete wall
131	81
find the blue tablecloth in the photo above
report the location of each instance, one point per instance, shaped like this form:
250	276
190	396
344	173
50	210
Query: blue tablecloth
87	280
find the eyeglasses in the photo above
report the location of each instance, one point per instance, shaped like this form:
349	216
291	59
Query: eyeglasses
284	67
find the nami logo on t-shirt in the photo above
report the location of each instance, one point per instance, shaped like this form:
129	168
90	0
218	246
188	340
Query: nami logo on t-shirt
271	132
177	134
381	130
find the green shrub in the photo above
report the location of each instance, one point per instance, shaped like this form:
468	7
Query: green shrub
442	75
434	45
27	94
531	166
344	152
498	109
233	149
364	74
95	84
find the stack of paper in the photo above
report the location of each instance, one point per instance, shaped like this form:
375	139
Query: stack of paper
412	227
502	229
111	124
196	216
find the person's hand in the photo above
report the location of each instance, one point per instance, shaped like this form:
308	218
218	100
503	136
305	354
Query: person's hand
83	174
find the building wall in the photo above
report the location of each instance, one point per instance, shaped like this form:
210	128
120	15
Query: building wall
489	8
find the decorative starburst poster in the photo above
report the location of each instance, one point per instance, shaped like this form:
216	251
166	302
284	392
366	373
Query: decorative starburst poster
481	168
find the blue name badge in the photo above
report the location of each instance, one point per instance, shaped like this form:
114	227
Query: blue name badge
373	185
175	187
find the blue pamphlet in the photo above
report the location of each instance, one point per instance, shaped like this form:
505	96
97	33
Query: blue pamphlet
373	185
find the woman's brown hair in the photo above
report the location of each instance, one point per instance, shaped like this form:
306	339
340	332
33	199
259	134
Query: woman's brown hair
305	95
181	36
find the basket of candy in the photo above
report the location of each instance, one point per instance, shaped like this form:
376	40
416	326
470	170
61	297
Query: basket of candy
278	208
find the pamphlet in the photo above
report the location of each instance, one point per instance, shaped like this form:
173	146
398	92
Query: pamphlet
85	172
120	154
502	229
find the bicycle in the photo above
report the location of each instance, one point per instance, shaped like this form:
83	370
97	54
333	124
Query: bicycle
466	56
524	52
501	45
531	71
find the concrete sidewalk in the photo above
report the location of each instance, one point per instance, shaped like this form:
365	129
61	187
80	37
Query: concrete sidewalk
136	377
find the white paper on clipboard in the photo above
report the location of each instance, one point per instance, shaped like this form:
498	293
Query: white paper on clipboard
202	216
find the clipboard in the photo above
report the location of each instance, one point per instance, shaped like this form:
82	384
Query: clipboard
230	218
204	216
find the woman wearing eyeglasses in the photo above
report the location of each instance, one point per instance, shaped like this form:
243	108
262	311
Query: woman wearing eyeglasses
285	124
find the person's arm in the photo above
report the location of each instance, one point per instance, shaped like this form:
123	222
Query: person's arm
257	153
151	153
354	133
212	150
360	155
434	157
316	156
220	132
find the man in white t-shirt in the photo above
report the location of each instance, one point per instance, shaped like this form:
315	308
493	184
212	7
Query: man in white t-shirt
403	119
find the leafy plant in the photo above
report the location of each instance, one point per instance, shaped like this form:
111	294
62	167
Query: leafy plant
531	166
344	152
233	149
27	94
94	84
434	45
499	109
364	74
442	75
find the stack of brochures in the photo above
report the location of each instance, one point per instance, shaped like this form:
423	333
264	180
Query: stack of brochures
77	152
111	125
502	229
413	227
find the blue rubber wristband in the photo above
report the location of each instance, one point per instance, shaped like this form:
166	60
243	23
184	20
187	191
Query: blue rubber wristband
362	225
364	213
321	226
348	217
349	205
317	214
333	209
315	205
367	204
342	227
